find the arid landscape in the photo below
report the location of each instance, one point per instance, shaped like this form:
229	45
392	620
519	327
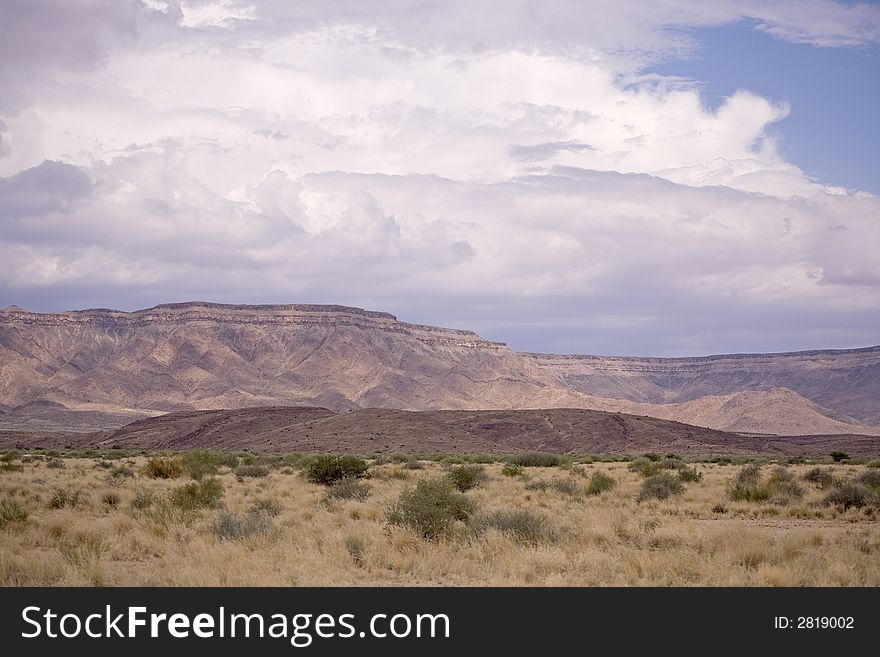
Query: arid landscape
211	444
210	518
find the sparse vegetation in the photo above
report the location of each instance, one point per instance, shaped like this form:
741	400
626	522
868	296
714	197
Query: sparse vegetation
538	527
644	466
838	456
849	495
200	462
600	483
823	478
431	508
690	475
511	470
63	497
519	524
242	472
11	512
779	488
465	477
11	467
196	495
161	467
233	527
347	489
328	468
660	487
536	460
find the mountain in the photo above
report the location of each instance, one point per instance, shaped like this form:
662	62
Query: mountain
101	368
847	381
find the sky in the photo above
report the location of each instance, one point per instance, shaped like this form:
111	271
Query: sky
659	178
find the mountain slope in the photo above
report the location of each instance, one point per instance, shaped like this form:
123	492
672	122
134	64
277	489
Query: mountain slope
844	380
96	369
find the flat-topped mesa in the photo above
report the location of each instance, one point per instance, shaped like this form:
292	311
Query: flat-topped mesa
864	355
258	314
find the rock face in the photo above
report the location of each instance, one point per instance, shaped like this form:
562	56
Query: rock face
100	368
847	381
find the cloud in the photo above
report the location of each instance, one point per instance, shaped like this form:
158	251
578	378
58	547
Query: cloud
498	165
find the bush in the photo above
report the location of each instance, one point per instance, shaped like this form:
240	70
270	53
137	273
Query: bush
160	467
671	464
660	487
266	505
599	483
785	491
822	477
839	456
871	479
356	549
11	512
690	474
327	468
11	467
143	499
414	464
566	486
747	485
233	527
536	460
850	495
644	466
431	508
200	462
520	525
116	476
256	471
110	499
465	477
347	489
511	470
197	495
873	463
62	497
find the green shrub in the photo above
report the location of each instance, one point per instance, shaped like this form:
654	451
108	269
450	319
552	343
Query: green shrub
414	464
660	487
233	527
265	505
823	478
328	468
347	489
839	456
520	525
11	467
786	491
197	495
511	470
690	474
671	464
465	477
63	497
11	512
200	462
747	485
255	471
161	467
873	463
644	466
599	483
850	495
431	508
536	460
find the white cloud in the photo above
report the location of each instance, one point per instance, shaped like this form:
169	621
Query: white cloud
484	158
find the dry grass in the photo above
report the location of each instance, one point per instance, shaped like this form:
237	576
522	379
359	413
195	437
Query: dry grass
282	530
